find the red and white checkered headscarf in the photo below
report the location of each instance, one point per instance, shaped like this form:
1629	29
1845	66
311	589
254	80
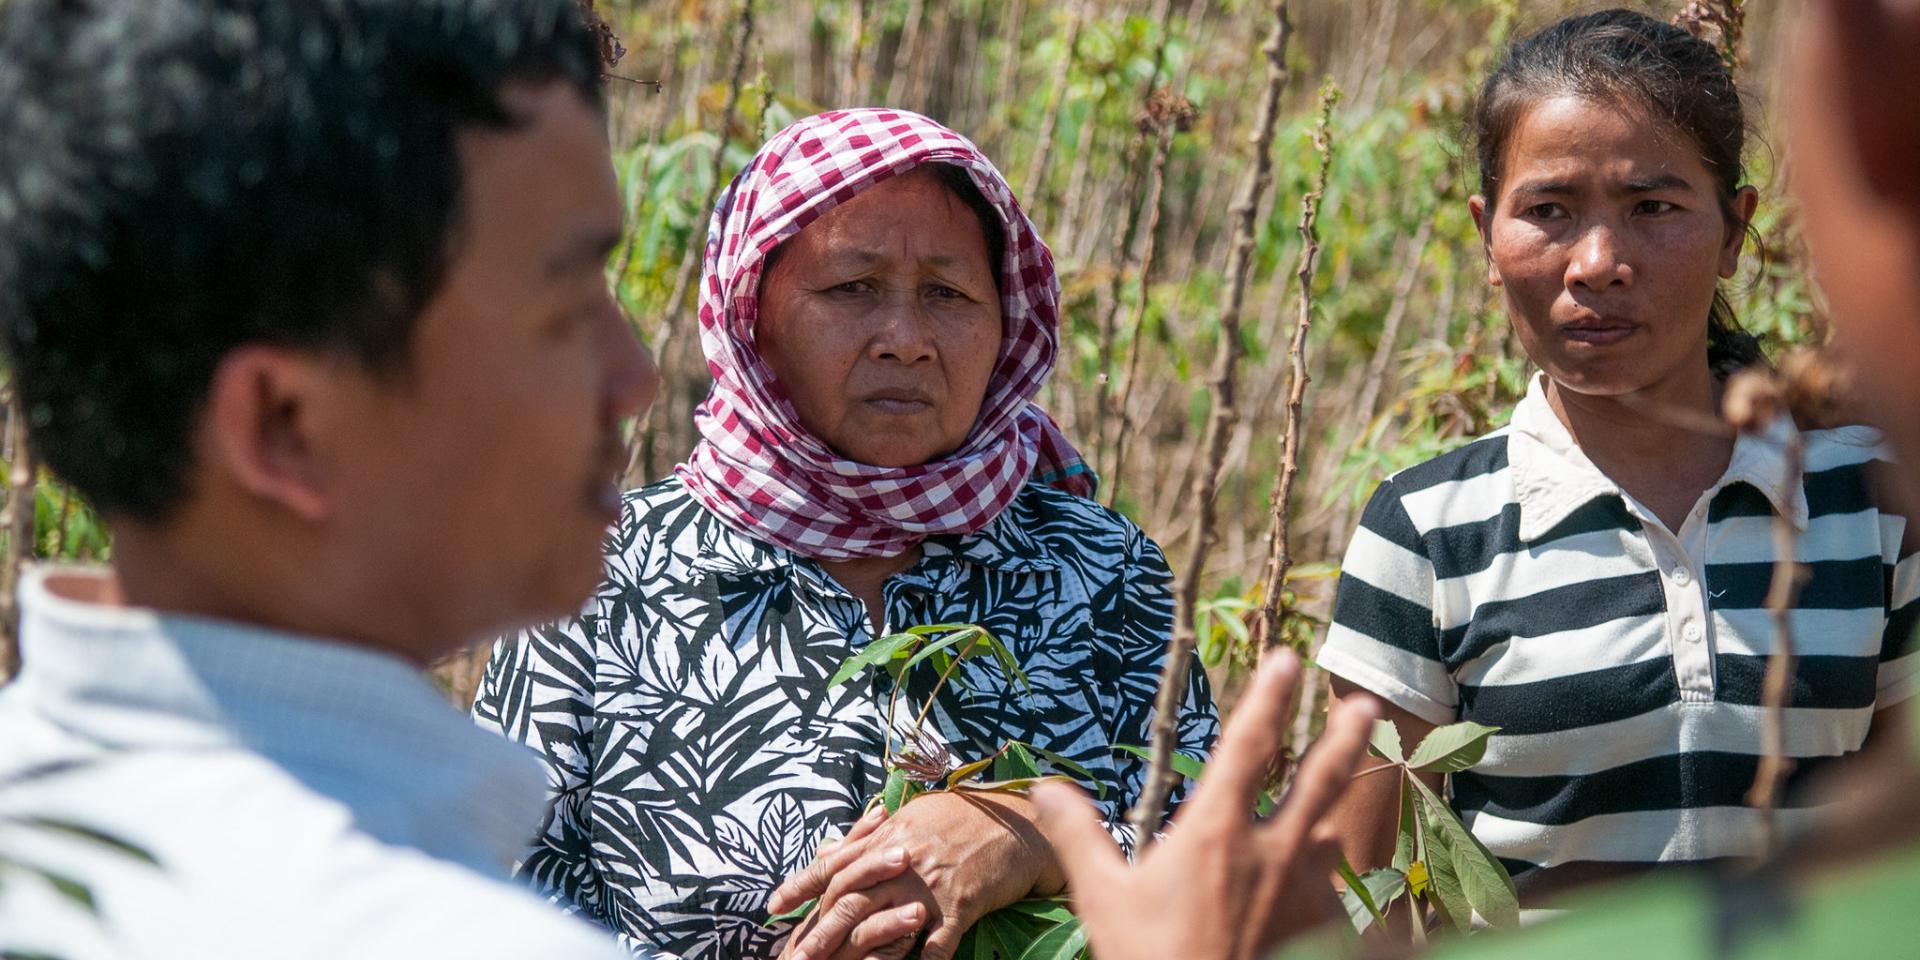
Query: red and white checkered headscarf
762	472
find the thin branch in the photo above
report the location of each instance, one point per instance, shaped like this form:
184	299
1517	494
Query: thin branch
1146	815
1156	205
17	519
696	245
1056	96
1152	119
1279	555
1777	687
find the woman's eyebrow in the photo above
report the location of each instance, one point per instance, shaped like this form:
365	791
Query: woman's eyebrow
1665	181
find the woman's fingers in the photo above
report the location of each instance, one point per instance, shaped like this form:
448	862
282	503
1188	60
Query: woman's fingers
888	934
812	881
1087	853
868	823
943	941
1245	753
859	923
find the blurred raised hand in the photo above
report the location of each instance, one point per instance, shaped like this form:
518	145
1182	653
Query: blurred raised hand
1222	885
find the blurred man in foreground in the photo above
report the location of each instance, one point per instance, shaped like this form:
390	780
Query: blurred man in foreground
1847	889
308	299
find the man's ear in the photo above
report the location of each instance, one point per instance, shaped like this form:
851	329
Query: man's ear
262	408
1477	207
1878	83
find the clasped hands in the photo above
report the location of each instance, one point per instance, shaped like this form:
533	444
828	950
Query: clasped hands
1221	886
938	864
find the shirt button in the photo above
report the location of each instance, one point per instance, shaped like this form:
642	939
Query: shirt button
1681	576
1690	633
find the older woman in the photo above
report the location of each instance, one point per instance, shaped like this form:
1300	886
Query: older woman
877	314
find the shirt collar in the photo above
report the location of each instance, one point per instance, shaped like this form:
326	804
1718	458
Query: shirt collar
359	726
1552	476
1004	545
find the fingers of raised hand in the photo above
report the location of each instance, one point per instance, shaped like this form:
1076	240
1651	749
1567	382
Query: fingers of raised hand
832	860
1071	823
1325	772
1246	751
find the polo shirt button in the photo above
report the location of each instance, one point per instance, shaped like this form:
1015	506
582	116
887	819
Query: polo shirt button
1690	633
1681	576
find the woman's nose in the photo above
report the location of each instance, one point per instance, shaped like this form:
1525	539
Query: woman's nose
1599	260
905	333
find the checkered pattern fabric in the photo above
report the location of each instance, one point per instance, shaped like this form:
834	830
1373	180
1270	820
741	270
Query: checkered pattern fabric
762	472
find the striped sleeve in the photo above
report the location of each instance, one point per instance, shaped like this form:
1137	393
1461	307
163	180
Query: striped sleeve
1899	651
1384	638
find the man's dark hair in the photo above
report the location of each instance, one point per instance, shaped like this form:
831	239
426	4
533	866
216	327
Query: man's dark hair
1632	60
182	177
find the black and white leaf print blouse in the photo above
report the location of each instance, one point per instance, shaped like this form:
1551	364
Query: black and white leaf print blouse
697	754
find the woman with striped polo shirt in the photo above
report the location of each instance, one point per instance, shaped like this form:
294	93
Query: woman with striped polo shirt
1590	579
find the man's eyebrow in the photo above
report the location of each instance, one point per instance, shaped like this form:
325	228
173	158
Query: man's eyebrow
585	250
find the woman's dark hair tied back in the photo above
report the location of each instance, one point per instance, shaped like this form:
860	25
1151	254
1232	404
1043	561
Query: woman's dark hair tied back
1628	58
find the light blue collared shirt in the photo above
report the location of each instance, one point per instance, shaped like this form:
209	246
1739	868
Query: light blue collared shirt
302	798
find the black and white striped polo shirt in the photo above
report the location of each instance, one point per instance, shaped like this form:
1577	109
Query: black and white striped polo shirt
1511	583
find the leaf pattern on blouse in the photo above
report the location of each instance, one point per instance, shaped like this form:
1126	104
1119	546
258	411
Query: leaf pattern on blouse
697	756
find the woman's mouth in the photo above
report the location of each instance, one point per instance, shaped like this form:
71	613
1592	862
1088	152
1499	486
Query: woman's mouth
899	402
1598	333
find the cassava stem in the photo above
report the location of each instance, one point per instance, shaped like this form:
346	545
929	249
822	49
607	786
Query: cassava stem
1146	815
1279	556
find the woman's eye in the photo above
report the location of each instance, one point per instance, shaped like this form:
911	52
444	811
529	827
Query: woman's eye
851	286
945	292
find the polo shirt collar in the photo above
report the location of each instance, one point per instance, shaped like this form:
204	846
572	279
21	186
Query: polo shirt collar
1552	476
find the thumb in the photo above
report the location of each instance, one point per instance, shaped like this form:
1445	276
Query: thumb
1071	823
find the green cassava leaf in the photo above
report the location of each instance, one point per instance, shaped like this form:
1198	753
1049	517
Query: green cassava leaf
969	636
898	790
1483	882
1186	766
968	771
1052	909
1066	941
795	914
1017	763
1443	888
1385	742
1015	785
1406	855
1365	895
878	652
1004	656
1452	748
1086	777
